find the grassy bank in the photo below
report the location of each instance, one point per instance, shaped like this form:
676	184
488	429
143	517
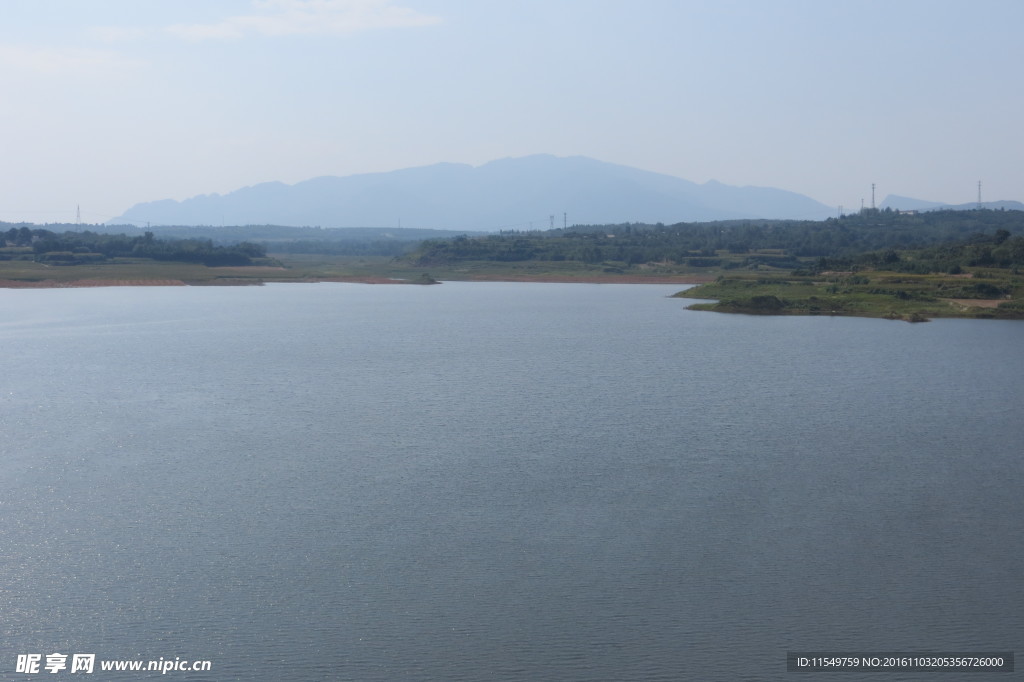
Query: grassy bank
990	293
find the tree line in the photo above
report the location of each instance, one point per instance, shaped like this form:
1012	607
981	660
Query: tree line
998	250
71	248
783	243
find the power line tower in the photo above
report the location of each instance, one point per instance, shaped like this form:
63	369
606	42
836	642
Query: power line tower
872	196
979	195
78	214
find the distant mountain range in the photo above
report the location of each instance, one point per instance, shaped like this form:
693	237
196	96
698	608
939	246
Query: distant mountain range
520	193
907	204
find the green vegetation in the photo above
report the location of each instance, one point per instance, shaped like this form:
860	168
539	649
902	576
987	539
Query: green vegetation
991	293
978	277
731	244
78	248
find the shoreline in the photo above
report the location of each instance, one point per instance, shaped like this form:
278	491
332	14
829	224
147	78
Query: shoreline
354	279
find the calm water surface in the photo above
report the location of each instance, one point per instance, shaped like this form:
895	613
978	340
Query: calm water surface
499	482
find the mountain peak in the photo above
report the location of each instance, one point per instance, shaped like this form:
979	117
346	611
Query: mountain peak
509	193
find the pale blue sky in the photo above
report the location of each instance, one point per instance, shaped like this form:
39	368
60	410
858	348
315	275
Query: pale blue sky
108	103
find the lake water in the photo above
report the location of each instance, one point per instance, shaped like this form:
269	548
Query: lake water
490	481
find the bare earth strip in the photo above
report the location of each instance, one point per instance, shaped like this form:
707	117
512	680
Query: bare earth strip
976	302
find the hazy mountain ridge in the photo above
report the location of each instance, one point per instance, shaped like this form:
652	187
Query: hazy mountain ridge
515	193
896	202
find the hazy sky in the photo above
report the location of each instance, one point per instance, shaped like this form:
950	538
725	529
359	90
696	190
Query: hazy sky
108	103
